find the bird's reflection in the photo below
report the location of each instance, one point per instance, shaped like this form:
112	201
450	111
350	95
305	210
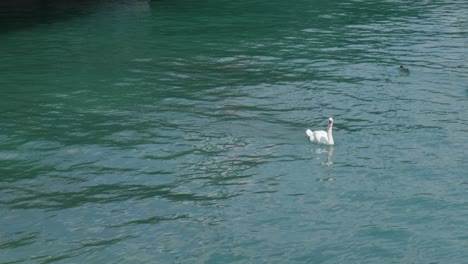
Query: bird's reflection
329	156
327	163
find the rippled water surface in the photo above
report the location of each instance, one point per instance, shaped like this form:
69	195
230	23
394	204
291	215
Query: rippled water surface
174	131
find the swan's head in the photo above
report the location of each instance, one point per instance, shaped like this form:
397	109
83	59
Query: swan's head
330	122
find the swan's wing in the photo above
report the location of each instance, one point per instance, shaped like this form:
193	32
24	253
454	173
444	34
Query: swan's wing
317	136
321	136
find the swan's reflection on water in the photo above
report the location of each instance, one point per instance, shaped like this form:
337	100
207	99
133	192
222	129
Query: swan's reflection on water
329	156
327	163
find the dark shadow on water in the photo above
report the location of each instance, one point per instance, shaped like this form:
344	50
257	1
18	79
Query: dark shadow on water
22	14
17	15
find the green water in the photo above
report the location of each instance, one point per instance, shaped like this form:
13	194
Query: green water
174	131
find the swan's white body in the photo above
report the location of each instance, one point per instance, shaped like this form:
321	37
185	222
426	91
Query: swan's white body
322	137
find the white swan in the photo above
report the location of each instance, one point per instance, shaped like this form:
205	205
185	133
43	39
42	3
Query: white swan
322	136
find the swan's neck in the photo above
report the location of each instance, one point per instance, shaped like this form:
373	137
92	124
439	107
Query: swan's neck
330	136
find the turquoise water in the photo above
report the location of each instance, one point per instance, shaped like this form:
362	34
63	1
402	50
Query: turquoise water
174	132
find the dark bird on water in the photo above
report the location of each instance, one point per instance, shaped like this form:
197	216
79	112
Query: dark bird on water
404	68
